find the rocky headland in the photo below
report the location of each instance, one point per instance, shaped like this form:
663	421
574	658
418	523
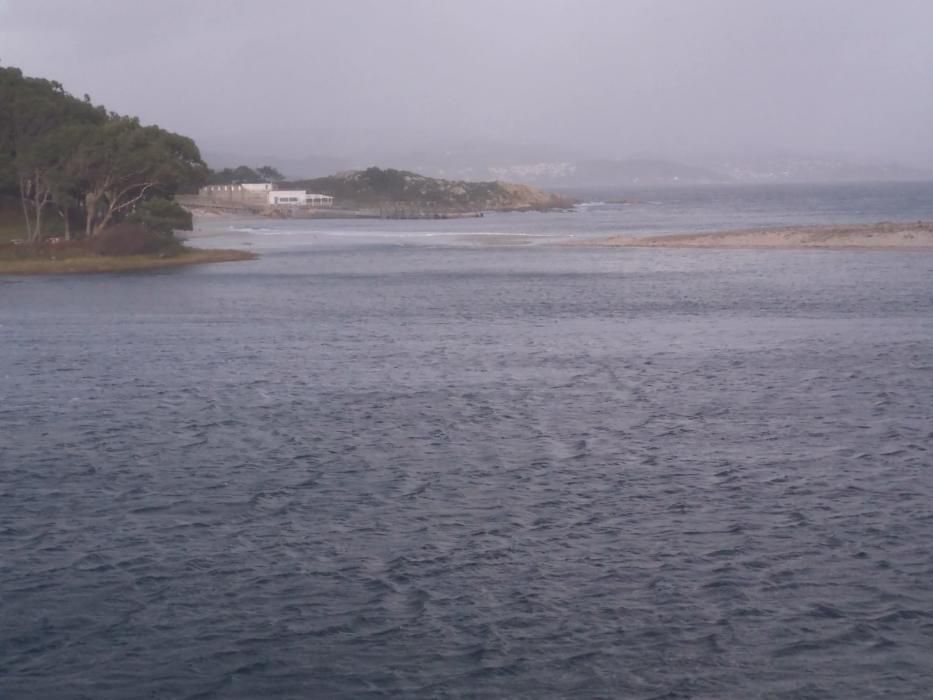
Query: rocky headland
389	192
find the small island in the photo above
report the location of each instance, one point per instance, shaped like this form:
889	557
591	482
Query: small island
83	189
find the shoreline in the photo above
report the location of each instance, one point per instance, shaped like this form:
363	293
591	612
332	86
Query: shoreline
229	212
100	264
887	235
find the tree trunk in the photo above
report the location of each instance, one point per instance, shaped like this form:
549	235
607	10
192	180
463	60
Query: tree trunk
38	230
23	199
120	202
66	215
102	224
37	205
41	196
90	206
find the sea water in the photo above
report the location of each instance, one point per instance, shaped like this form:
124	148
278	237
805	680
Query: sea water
385	460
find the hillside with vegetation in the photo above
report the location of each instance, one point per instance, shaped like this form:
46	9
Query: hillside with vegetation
88	181
377	187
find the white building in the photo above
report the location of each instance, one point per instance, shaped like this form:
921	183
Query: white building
238	191
299	198
319	200
260	194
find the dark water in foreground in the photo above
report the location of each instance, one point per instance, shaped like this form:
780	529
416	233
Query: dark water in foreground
449	471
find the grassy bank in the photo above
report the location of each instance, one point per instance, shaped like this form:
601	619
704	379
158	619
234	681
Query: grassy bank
48	263
79	257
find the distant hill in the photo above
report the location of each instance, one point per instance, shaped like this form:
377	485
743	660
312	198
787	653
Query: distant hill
658	172
559	168
629	171
790	167
377	187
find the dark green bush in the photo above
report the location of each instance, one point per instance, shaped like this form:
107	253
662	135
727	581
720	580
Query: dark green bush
162	216
129	238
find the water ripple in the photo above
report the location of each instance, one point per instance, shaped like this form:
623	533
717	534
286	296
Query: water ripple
679	477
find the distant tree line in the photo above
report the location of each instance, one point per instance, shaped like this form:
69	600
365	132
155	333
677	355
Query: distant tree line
65	157
378	186
243	173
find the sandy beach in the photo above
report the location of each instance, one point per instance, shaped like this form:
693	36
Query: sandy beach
881	236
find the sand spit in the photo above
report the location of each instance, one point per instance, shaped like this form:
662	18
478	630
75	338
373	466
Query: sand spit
881	236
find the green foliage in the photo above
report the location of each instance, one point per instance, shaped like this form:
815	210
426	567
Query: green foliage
32	111
389	183
244	173
59	152
231	176
122	164
269	174
128	238
162	216
382	186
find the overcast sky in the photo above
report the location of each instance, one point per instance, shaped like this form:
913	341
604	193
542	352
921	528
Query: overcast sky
603	77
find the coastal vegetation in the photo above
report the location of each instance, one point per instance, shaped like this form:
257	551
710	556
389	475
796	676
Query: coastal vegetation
244	173
84	188
78	174
381	187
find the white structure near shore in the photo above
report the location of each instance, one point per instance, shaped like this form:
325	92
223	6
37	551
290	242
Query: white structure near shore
238	191
299	198
263	194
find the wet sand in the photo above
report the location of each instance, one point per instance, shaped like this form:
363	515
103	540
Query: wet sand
881	236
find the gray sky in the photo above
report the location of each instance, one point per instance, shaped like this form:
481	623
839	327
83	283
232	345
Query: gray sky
603	77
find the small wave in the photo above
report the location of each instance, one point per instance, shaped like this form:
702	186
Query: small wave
254	229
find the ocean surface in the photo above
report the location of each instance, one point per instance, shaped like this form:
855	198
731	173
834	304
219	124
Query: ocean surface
389	460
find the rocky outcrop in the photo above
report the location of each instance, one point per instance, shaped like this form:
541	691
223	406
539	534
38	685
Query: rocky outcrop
377	188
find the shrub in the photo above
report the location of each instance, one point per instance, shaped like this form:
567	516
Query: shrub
129	238
162	216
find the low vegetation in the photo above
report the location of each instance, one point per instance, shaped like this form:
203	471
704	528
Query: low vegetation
145	241
71	259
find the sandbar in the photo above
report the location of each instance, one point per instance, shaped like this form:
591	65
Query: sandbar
885	235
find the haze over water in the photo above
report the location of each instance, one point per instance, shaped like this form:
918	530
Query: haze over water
372	82
390	462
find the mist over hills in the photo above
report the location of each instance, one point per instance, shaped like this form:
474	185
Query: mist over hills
554	167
